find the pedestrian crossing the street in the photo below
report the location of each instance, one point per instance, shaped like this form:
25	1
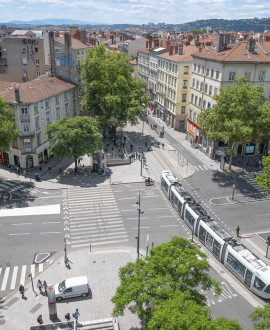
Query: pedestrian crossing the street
200	168
93	217
12	277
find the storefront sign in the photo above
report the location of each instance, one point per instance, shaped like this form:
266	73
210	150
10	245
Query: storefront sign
192	127
250	150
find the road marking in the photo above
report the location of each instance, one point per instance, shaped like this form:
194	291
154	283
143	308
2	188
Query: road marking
121	199
19	234
141	228
99	243
169	226
117	191
13	279
34	210
5	279
21	224
128	210
40	268
22	280
158	208
44	223
165	216
51	232
32	270
137	218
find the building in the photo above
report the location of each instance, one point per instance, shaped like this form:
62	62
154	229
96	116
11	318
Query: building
143	67
132	46
214	69
22	57
173	87
35	104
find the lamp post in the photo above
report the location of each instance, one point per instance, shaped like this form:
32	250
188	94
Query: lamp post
139	224
30	275
268	244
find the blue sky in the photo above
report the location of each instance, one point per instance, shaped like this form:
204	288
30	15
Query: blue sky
132	11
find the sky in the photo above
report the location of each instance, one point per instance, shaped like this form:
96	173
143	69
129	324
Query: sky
132	11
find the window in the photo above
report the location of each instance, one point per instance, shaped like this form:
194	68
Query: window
38	139
193	82
36	112
204	104
24	111
37	73
207	72
206	88
47	104
196	98
194	117
199	68
248	75
57	112
36	49
189	219
195	67
202	234
190	113
258	284
197	84
217	75
57	50
25	74
27	143
200	102
248	278
215	91
231	76
209	240
66	107
261	75
183	109
185	84
57	100
26	127
191	99
186	69
37	122
267	290
210	90
201	86
73	93
212	73
37	61
216	249
24	61
65	95
235	266
184	97
203	68
48	117
23	50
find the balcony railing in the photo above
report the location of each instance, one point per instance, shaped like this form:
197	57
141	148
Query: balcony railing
28	133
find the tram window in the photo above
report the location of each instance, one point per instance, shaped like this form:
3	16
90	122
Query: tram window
258	284
164	185
216	249
248	278
236	265
189	218
209	240
202	234
179	206
267	290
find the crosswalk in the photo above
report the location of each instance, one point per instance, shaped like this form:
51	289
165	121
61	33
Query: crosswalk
94	217
250	178
11	186
12	277
200	168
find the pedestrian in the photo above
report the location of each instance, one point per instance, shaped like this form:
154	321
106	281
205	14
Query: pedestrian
45	286
131	147
67	261
39	319
39	167
60	168
49	167
76	314
18	169
79	161
125	138
237	231
67	317
130	158
21	289
114	141
36	176
123	144
39	285
260	164
146	144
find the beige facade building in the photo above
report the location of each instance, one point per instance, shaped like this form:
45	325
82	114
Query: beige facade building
35	104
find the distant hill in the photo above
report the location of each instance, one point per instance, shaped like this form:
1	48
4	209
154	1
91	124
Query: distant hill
49	21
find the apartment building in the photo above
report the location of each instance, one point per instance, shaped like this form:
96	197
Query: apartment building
22	57
214	69
143	67
35	104
132	46
173	85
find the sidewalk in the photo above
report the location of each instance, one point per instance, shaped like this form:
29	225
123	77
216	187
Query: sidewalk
101	267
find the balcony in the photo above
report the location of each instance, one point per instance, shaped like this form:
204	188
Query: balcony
27	151
27	134
25	117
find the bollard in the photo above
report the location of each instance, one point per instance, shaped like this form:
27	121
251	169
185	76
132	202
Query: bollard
52	303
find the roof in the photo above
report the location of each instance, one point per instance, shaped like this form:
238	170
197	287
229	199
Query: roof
158	49
24	32
185	57
144	50
239	53
34	90
73	281
133	61
75	43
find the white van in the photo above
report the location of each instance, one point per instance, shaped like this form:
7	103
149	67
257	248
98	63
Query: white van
72	287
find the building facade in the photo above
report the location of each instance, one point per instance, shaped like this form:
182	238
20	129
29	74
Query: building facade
35	104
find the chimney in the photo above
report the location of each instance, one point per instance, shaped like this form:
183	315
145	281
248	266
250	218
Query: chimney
187	43
147	44
168	45
171	50
150	44
67	37
17	95
251	45
200	49
180	49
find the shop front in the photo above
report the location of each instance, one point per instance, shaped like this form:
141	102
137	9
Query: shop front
4	159
192	132
161	111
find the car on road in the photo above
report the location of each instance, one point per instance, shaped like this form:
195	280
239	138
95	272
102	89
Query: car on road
72	287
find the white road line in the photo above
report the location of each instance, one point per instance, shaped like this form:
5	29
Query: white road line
127	210
136	218
21	224
40	268
157	208
117	191
121	199
205	167
165	216
98	243
13	279
32	270
140	228
5	279
33	210
19	234
45	223
99	228
22	280
169	226
94	238
51	232
195	167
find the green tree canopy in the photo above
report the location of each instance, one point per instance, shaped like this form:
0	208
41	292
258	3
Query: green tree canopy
74	137
261	317
8	134
173	267
110	91
240	114
263	178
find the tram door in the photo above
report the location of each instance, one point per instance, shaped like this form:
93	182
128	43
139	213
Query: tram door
248	278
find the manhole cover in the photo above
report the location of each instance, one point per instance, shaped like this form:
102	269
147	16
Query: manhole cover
41	257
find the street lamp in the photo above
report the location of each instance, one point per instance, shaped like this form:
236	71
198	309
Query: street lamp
139	224
268	244
30	275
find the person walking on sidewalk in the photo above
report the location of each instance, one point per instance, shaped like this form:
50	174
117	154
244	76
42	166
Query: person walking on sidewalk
45	286
39	285
67	317
60	168
237	231
21	289
49	167
76	315
39	319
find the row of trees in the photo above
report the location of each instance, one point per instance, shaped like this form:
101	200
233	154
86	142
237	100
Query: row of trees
163	290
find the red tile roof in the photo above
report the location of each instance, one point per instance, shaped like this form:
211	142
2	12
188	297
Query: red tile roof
144	50
187	54
75	43
34	90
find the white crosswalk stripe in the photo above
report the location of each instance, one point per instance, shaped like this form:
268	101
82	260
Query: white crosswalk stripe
250	178
94	217
200	167
12	277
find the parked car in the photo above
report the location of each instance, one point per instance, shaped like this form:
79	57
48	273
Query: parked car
72	287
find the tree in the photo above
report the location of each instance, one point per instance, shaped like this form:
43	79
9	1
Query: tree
176	267
261	317
8	134
182	312
110	91
74	137
263	178
241	114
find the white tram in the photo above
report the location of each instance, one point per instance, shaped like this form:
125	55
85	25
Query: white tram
247	267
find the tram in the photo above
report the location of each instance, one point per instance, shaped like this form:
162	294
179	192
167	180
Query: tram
246	266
